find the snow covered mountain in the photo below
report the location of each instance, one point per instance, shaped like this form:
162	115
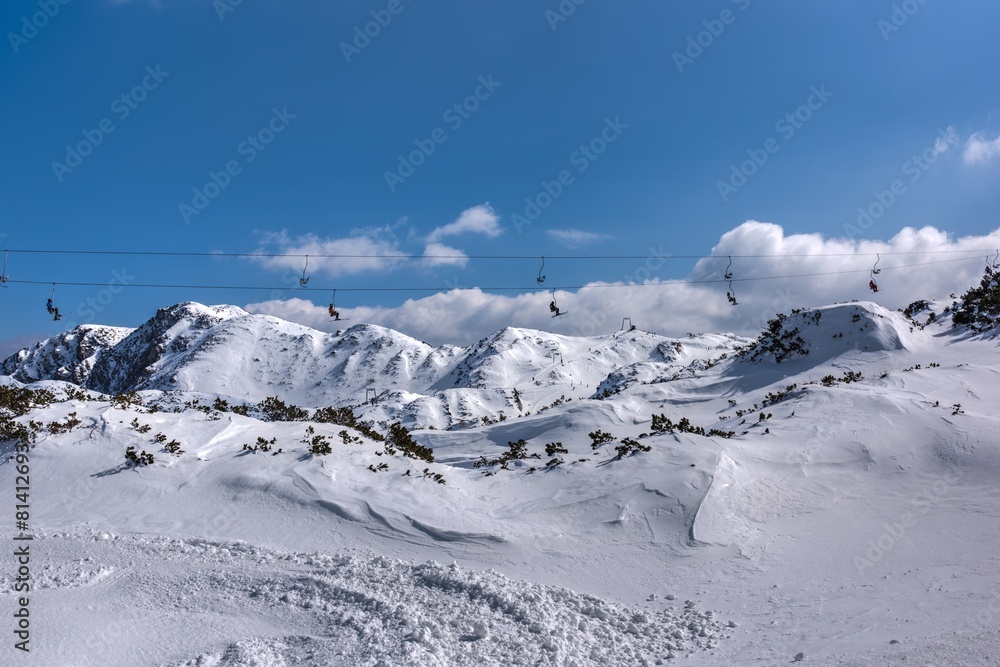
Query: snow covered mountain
70	356
825	492
225	351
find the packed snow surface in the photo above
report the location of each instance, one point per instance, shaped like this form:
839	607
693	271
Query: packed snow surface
843	511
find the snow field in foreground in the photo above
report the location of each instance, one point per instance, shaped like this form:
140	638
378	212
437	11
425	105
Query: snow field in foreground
319	609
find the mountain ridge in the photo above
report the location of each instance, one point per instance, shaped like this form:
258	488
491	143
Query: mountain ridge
226	351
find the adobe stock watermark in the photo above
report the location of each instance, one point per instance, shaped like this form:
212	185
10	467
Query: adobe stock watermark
581	158
455	116
650	268
121	108
786	126
592	321
248	149
698	43
900	16
562	12
364	34
914	168
984	618
784	299
30	25
291	278
894	531
223	7
595	320
88	309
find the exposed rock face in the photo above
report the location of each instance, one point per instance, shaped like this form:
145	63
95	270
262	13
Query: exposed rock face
70	356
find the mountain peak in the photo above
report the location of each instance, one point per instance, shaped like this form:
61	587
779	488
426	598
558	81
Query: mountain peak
172	330
69	356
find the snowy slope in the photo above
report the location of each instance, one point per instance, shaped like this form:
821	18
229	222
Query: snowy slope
224	351
151	351
70	356
854	506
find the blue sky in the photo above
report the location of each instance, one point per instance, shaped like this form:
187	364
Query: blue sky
309	118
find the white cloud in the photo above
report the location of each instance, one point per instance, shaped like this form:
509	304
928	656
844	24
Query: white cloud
480	219
363	251
437	254
576	238
375	249
979	149
465	315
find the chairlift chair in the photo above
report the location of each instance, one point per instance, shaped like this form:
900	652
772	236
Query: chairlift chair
3	274
304	280
334	313
872	285
731	293
553	307
51	307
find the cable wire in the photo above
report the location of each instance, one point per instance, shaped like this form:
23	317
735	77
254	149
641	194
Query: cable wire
499	288
140	253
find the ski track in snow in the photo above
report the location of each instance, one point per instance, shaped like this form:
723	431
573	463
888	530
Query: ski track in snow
345	609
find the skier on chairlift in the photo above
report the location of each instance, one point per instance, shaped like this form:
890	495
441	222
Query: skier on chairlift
334	313
554	308
53	310
872	286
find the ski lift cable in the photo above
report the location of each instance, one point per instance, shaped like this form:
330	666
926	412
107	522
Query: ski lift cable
405	256
521	288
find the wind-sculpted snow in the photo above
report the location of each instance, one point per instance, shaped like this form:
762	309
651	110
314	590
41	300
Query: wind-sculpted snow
824	333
